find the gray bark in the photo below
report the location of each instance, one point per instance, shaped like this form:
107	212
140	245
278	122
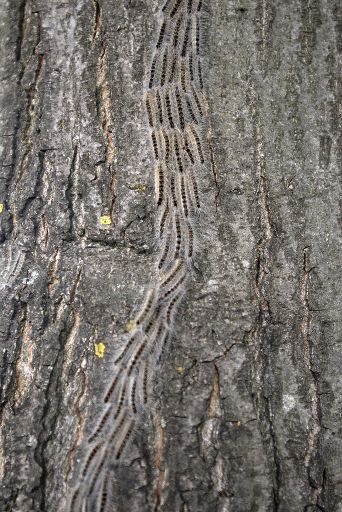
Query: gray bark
246	414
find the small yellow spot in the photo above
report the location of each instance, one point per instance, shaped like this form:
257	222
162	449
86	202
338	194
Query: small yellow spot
130	325
238	423
180	370
100	349
2	207
138	187
105	220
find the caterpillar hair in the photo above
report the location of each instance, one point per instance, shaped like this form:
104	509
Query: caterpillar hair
146	309
104	496
173	192
178	234
169	110
159	107
175	8
113	386
183	77
188	150
171	291
126	438
191	69
152	72
186	38
197	100
176	32
178	153
180	109
133	395
196	142
155	145
102	423
159	183
164	257
190	239
149	110
137	356
193	187
145	382
157	343
198	36
166	139
199	73
94	454
190	110
95	480
163	219
117	426
161	35
75	504
173	69
164	68
120	404
133	338
183	195
173	272
172	307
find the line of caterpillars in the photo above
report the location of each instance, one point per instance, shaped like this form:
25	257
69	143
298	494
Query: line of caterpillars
176	109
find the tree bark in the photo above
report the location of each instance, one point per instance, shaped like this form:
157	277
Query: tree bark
246	411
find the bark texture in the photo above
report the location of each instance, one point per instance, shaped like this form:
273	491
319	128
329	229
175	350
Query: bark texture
247	404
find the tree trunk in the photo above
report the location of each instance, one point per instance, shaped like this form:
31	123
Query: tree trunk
246	409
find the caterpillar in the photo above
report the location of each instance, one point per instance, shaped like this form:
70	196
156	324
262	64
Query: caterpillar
174	102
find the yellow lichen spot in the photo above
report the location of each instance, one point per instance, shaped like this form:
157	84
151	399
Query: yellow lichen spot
180	370
130	325
105	220
2	207
238	423
138	187
100	349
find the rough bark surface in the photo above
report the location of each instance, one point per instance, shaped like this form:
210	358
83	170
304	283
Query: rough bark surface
248	408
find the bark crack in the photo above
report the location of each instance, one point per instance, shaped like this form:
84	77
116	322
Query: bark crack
22	29
209	429
23	369
54	397
98	21
259	333
103	84
31	116
160	479
37	186
52	272
316	426
214	401
7	394
80	418
70	193
104	107
31	95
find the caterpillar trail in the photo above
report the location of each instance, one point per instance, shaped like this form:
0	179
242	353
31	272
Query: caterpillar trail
175	113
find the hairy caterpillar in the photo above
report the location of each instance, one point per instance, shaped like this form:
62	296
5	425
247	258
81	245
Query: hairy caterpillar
175	109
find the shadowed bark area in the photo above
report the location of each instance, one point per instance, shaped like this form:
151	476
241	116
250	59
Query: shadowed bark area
247	408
